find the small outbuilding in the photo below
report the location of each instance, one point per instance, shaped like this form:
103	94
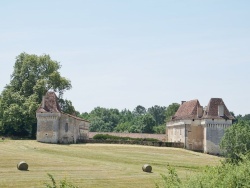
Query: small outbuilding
54	126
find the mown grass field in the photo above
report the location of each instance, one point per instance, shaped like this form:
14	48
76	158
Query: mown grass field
94	165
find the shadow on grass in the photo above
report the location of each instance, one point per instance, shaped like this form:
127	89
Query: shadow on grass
24	170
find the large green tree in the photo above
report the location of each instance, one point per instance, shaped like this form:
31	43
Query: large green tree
139	110
125	123
171	109
32	77
103	119
67	107
37	74
158	113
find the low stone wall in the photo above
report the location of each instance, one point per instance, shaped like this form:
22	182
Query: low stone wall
136	142
160	137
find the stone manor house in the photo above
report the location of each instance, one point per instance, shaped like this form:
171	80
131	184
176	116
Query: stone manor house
54	126
200	129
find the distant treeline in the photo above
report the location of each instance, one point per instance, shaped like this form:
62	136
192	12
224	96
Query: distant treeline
140	120
34	75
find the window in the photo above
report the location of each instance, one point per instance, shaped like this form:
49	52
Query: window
66	127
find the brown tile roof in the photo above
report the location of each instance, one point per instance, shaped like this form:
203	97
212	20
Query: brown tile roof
187	110
211	112
75	117
49	104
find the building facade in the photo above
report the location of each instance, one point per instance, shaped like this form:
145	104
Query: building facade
200	129
54	126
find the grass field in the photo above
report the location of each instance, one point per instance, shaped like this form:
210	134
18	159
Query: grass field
94	165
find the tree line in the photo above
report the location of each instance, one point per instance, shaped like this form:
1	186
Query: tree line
34	75
140	120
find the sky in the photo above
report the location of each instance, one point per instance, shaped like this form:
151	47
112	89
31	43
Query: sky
120	54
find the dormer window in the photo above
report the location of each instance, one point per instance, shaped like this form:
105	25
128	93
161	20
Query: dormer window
221	110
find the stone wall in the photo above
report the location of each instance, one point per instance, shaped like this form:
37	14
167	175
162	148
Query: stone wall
160	137
214	132
54	126
176	134
48	127
72	130
60	128
194	137
188	132
68	130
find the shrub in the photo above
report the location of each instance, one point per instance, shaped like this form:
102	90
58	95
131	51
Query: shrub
228	175
236	141
171	180
62	184
111	137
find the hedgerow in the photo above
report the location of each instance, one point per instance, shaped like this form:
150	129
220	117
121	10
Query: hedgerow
111	137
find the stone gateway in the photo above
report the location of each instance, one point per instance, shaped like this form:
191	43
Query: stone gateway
54	126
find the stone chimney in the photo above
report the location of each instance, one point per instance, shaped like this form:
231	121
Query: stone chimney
220	110
199	111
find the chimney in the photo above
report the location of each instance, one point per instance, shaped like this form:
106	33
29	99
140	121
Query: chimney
182	102
43	102
220	110
199	111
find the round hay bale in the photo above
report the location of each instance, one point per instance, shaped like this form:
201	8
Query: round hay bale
22	166
147	168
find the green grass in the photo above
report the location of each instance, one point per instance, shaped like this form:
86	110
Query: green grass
94	165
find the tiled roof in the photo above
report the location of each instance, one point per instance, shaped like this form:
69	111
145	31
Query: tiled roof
75	117
211	111
187	110
49	104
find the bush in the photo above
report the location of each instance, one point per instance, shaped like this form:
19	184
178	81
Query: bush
171	180
62	184
236	141
118	138
226	175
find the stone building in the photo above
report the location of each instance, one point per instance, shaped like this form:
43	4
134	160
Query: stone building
200	129
54	126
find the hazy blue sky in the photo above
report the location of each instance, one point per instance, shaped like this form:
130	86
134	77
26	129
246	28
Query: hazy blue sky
120	54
